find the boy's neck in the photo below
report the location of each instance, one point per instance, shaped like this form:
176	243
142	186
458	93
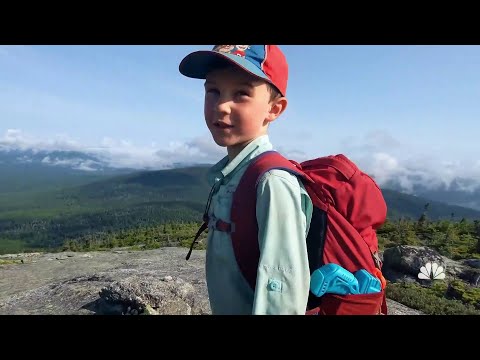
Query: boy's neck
233	151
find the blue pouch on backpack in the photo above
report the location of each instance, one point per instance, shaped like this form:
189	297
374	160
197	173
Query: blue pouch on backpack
332	278
367	283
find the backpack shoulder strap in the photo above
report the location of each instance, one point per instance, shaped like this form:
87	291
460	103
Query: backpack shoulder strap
267	161
243	213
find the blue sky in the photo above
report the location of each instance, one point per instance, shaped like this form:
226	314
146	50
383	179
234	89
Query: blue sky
397	110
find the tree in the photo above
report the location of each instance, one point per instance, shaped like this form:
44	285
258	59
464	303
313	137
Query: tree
476	225
424	217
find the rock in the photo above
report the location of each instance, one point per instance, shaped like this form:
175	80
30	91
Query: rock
403	263
148	282
139	293
472	276
409	259
475	263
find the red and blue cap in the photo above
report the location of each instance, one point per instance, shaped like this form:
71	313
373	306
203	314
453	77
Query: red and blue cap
264	61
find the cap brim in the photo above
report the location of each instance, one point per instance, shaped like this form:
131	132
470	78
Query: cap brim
198	64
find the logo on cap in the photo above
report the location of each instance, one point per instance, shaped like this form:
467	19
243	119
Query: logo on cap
238	50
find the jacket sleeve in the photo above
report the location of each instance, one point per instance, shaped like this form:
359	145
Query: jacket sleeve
283	215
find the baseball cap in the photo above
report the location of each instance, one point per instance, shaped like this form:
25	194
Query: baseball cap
264	61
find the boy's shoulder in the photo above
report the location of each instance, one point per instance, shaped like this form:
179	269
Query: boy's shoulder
280	176
277	176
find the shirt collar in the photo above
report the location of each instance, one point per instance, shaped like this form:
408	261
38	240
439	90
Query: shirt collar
225	168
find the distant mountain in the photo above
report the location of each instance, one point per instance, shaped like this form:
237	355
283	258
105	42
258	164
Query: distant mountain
43	170
24	171
46	219
461	192
190	184
183	184
410	206
71	159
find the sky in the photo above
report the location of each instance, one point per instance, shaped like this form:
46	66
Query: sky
404	111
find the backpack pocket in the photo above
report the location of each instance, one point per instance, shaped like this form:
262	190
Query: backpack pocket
358	304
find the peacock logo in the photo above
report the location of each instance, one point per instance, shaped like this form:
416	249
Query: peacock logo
431	271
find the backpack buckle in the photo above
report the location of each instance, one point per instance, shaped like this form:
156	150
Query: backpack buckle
377	260
220	225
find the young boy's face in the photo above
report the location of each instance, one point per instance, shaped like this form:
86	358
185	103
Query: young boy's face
237	107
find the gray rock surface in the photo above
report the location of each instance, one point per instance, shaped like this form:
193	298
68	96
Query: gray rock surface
403	262
125	282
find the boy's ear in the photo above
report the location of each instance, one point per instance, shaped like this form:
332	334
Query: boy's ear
278	107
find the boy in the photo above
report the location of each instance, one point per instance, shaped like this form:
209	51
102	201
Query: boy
245	91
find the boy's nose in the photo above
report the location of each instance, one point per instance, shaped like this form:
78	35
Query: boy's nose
223	106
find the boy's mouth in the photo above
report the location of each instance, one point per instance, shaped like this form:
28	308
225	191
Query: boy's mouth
222	125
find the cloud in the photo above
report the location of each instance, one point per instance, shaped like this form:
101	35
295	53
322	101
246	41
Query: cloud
198	150
75	163
121	153
382	139
294	154
116	153
397	163
389	160
377	140
207	147
16	139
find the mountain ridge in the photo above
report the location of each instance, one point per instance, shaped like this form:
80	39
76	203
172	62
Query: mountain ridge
32	170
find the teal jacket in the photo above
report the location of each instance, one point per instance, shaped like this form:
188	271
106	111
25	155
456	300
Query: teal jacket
283	212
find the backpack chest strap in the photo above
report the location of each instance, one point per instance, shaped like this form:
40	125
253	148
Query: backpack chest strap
212	223
220	225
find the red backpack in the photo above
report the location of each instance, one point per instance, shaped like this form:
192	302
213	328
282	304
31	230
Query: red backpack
348	208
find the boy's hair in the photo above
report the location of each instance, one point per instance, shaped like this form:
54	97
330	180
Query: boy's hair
266	62
274	93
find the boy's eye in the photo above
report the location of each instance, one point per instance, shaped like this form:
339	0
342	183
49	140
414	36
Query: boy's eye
242	93
211	91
